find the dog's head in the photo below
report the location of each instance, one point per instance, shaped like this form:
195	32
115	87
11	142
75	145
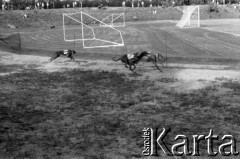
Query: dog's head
145	53
73	51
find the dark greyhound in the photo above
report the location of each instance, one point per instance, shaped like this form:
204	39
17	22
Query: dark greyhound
131	59
68	53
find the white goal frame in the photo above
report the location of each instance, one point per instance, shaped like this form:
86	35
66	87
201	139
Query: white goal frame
111	43
186	17
114	19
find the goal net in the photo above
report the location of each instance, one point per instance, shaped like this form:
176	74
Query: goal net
190	17
88	29
114	20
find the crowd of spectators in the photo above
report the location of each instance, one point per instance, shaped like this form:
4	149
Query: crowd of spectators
73	4
40	4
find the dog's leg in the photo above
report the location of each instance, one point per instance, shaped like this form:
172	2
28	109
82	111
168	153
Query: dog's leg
134	67
53	58
163	64
157	67
159	61
130	67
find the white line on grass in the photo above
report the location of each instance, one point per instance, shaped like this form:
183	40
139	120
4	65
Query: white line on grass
152	21
221	31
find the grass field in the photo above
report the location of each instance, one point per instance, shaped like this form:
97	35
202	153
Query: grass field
96	108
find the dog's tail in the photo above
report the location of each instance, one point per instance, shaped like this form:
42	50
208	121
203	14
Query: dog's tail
114	59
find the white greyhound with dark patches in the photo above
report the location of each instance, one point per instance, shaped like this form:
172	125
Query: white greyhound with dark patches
155	58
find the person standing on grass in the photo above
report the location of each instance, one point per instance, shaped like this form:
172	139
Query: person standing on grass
123	4
150	3
81	3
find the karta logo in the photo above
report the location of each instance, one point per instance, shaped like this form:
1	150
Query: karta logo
154	142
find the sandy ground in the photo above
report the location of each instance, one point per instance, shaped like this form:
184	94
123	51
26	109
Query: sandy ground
181	77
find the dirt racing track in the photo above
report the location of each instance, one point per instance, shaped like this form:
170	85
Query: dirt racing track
193	53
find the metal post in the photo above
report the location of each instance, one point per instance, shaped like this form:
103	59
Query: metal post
64	28
198	16
189	11
74	40
166	48
82	29
25	24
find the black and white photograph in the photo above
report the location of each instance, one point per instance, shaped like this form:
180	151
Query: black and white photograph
119	79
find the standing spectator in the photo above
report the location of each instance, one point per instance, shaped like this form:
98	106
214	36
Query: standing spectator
68	5
123	4
38	5
73	4
25	16
150	3
132	4
42	5
47	5
142	4
3	6
81	3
